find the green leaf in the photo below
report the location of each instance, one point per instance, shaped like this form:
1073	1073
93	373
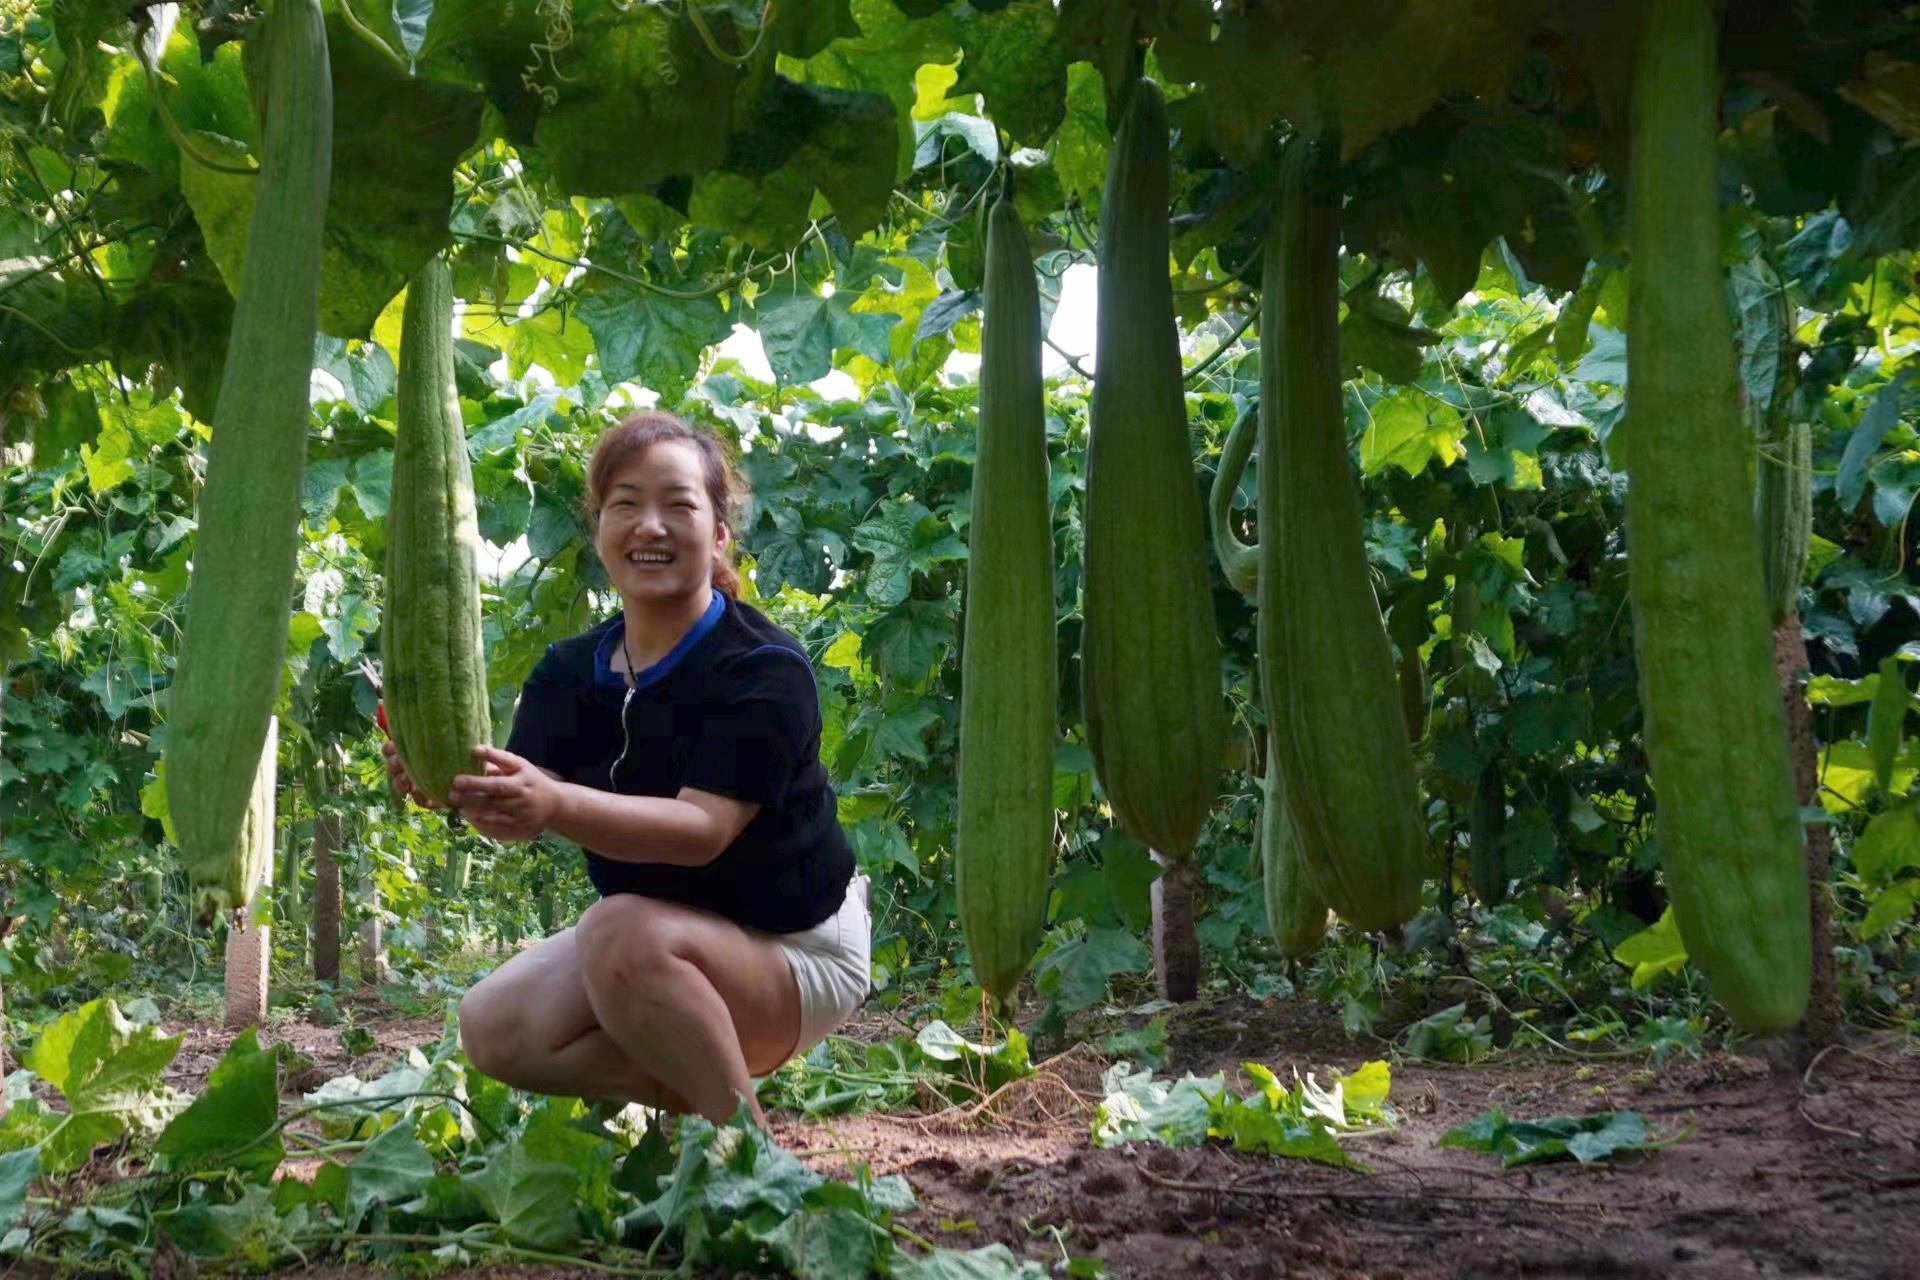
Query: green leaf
1449	1036
18	1169
757	1173
548	340
1606	360
1081	144
390	1170
72	420
650	1160
801	330
373	482
1890	843
637	98
988	1065
991	1262
658	340
1376	335
1585	1138
1137	1108
1129	872
1754	288
1076	973
227	1125
532	1200
1256	1129
901	731
107	461
829	1244
905	643
320	491
205	98
884	58
1369	72
1889	907
1364	1092
1409	431
109	1072
553	1136
1014	60
1654	951
556	524
391	183
1850	480
904	539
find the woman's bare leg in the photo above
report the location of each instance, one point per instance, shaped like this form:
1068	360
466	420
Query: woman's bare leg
696	1002
529	1024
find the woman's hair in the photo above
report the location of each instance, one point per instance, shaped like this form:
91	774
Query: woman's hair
639	432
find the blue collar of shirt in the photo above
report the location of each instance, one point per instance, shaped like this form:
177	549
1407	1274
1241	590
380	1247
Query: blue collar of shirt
604	674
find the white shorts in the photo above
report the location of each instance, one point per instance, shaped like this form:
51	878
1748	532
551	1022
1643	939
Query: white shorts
832	964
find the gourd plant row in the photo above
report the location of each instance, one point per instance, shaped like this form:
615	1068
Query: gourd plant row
1343	828
1343	825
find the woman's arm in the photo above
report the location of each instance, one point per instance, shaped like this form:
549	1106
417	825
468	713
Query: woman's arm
516	800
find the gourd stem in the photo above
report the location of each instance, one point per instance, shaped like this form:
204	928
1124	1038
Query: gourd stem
372	39
1221	350
181	139
713	46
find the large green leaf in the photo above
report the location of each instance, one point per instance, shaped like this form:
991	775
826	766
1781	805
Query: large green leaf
884	58
803	136
829	1244
637	99
905	643
990	1262
203	97
390	189
109	1072
1083	139
904	539
652	337
229	1124
1013	59
1367	68
390	1170
532	1200
18	1169
1439	191
801	330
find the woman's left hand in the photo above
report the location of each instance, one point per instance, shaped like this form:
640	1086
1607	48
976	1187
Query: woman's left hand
512	800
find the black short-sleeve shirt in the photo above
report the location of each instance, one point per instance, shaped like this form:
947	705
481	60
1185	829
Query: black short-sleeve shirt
733	710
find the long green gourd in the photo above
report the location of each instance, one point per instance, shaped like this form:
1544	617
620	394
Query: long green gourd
1008	687
1487	856
1335	719
244	557
1149	656
433	665
1296	914
1714	727
1239	563
254	848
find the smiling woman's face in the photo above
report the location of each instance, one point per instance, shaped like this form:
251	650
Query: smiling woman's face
658	534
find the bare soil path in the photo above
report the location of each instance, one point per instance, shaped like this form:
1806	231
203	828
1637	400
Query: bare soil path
1785	1174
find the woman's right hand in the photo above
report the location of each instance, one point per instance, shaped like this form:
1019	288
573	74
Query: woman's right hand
397	772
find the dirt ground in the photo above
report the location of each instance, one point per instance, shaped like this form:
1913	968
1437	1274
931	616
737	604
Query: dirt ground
1787	1173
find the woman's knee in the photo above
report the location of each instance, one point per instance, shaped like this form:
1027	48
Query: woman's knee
489	1030
626	941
